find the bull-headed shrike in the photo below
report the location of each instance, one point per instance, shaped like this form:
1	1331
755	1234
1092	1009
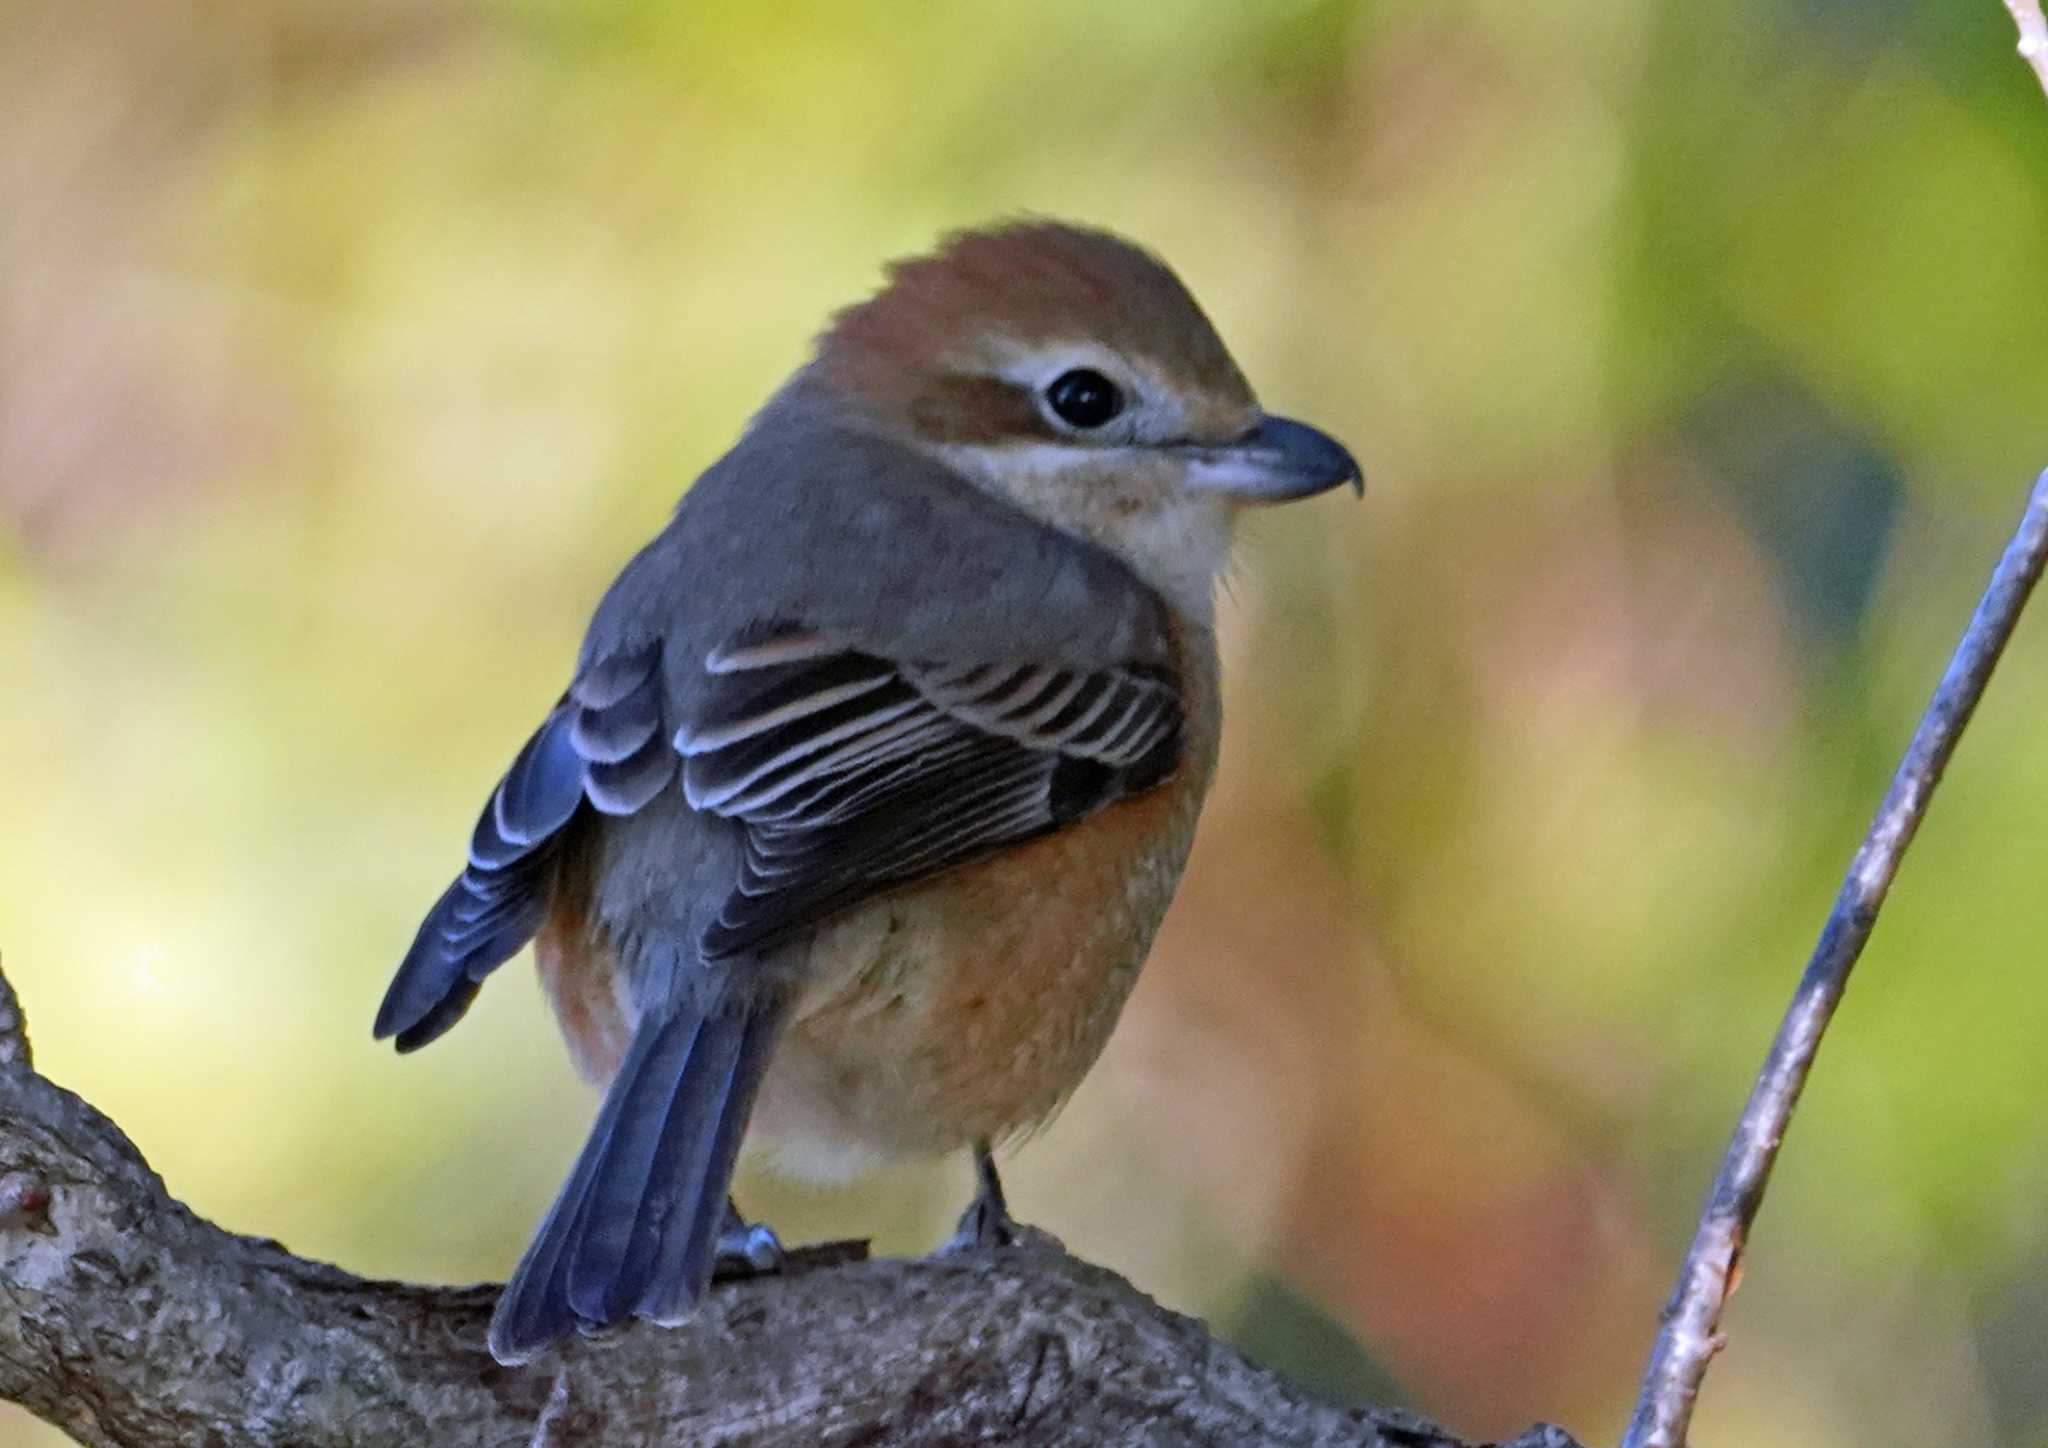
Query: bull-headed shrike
880	763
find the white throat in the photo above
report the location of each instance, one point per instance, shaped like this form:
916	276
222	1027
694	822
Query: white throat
1177	541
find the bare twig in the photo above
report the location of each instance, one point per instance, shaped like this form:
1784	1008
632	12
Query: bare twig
2026	14
1691	1331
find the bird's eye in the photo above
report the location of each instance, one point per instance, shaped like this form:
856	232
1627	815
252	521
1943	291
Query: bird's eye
1084	398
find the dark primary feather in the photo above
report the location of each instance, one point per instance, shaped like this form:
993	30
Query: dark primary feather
666	1115
853	773
635	1227
604	747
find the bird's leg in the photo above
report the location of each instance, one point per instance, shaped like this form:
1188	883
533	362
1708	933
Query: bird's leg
987	1221
745	1250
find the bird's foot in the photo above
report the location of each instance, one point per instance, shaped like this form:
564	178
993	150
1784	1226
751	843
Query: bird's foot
982	1227
745	1249
987	1221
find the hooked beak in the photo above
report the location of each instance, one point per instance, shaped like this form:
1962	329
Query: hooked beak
1278	461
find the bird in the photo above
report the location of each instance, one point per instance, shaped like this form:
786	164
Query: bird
879	764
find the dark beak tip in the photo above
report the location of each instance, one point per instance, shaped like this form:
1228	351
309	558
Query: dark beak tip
1312	454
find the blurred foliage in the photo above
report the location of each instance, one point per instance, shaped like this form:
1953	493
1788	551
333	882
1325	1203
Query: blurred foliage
1695	351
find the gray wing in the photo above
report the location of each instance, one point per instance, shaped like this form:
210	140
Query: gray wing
604	749
810	520
853	773
889	561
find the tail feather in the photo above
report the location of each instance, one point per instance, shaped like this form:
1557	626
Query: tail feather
684	1260
661	1208
634	1228
667	1113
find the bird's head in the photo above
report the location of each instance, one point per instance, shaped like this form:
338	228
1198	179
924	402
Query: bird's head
1070	373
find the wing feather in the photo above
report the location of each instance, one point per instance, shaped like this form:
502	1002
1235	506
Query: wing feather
603	748
853	773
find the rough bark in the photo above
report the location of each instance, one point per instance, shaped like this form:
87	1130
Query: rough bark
127	1320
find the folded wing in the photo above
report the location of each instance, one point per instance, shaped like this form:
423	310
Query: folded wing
603	749
854	773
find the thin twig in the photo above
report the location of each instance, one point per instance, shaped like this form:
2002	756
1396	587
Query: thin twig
1690	1335
14	1049
2026	14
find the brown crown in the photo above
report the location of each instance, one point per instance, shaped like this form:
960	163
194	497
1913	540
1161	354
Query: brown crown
1029	283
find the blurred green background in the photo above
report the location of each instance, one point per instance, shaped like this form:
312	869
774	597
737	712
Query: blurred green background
1697	355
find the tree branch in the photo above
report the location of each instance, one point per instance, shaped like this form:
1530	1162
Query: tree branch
14	1048
1691	1329
126	1320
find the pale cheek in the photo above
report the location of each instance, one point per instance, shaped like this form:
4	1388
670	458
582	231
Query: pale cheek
1177	541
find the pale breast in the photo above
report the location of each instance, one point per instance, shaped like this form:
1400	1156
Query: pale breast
969	1006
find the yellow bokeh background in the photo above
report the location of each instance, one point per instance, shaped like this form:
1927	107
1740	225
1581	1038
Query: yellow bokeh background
1695	352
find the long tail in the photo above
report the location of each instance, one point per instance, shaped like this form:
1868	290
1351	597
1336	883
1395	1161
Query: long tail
635	1228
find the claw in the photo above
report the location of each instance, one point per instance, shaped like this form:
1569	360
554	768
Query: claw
746	1249
987	1222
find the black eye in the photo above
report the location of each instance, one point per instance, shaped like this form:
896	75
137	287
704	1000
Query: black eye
1084	398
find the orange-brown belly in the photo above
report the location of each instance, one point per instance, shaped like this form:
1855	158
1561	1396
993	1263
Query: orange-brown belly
959	1009
969	1006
